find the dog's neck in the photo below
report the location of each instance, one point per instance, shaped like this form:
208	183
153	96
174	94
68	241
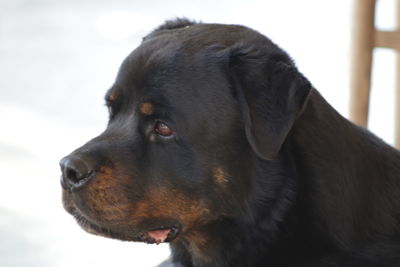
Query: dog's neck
324	154
346	164
236	241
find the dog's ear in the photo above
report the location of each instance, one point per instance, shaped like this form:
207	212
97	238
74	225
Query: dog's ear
272	94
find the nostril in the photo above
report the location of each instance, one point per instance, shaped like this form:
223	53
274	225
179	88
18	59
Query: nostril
72	175
75	171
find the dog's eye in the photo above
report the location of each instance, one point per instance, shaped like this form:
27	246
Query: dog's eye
163	130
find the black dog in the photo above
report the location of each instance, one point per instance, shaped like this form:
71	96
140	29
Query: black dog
217	144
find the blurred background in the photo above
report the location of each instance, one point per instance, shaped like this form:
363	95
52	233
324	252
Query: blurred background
58	58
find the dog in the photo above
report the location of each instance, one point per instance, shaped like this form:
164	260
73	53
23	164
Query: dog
218	145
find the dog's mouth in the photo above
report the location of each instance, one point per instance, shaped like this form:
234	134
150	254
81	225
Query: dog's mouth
161	235
154	233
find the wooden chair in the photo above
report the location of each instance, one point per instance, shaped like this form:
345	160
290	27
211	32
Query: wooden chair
365	38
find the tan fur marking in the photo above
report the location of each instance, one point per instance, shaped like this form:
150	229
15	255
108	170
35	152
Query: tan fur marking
112	97
220	176
106	170
168	203
147	108
106	202
199	244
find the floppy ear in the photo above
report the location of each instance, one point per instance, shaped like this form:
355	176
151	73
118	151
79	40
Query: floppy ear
272	94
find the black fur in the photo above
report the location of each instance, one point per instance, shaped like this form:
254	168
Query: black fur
274	175
170	25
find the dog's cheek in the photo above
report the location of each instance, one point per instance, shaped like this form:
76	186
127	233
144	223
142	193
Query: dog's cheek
106	200
168	203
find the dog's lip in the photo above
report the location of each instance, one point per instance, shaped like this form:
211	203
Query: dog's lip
94	228
143	235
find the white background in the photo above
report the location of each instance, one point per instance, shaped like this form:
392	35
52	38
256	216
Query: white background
57	59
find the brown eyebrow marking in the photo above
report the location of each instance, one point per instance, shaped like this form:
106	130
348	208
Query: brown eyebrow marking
147	108
111	96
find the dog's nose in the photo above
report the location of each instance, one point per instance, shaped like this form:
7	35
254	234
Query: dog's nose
76	172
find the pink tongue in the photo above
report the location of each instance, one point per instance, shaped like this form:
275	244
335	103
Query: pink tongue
159	235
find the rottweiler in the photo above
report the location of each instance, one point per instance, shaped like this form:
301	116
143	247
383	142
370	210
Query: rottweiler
218	145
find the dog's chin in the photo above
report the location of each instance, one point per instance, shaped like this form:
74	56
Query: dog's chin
153	233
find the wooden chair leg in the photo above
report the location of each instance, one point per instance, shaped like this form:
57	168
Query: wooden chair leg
361	64
397	99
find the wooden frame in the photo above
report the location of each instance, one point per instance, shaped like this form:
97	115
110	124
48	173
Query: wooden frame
365	38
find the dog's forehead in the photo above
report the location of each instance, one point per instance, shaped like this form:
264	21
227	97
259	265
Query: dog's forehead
177	64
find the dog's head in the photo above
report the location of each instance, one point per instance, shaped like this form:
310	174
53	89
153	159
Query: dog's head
193	109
